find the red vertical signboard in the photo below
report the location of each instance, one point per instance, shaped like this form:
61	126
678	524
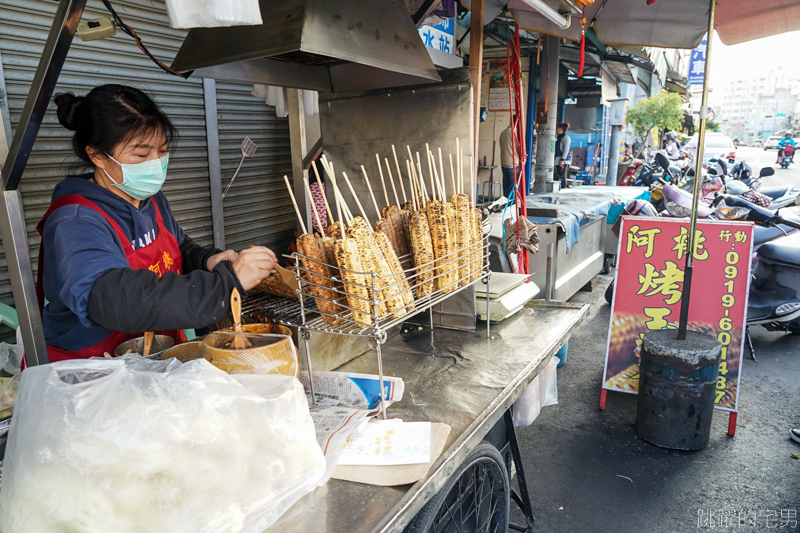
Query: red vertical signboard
648	292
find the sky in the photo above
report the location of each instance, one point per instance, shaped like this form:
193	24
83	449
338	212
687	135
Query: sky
753	58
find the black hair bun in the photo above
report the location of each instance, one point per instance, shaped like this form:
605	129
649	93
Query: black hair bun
67	106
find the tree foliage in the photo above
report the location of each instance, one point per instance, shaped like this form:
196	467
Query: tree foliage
712	125
662	111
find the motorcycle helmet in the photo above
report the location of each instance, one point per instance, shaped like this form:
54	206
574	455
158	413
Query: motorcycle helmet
717	167
672	136
742	171
641	208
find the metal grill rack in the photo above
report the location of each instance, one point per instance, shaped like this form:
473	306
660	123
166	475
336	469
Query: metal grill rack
472	259
284	310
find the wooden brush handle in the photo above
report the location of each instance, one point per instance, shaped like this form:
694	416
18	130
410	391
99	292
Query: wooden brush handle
148	343
236	309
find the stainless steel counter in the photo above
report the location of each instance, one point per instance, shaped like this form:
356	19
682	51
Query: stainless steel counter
459	378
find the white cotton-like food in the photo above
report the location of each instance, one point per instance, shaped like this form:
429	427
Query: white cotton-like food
119	445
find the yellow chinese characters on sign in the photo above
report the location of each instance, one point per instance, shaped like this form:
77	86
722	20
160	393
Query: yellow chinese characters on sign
648	294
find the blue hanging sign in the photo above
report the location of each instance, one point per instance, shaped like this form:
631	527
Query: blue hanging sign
697	64
440	37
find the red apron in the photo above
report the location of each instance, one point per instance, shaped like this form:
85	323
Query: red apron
160	256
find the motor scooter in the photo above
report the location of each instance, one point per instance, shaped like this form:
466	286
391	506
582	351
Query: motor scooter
774	301
785	155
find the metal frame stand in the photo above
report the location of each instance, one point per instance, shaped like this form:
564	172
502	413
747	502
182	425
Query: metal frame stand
749	343
12	220
523	498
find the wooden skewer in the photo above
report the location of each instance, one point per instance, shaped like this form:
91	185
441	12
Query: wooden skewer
439	184
322	190
441	172
472	179
399	175
313	205
339	210
371	194
430	172
453	175
391	180
328	165
434	177
383	181
294	202
413	189
355	197
458	160
422	181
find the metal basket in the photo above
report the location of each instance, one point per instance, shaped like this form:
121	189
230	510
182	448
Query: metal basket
377	324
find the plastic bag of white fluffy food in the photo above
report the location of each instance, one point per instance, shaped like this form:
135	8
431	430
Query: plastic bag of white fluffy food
132	445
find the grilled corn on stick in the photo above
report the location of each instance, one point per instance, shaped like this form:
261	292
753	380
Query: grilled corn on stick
319	277
398	279
405	219
355	283
463	237
422	247
317	272
372	260
446	274
477	245
397	221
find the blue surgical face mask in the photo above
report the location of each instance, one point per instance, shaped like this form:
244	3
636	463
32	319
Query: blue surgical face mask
142	180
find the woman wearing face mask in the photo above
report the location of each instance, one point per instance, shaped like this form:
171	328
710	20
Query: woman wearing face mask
114	262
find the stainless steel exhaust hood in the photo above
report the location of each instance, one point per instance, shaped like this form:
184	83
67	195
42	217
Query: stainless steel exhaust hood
325	45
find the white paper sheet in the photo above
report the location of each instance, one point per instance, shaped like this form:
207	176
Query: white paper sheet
388	442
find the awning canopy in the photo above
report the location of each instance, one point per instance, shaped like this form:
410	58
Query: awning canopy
670	23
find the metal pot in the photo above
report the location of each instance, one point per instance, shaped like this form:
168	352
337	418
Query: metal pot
160	343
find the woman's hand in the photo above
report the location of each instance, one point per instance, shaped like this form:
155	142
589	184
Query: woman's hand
254	265
214	260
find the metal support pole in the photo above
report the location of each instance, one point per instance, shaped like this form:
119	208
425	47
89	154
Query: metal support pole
20	270
297	137
5	117
12	219
380	372
55	51
613	155
305	334
545	138
524	498
214	165
698	177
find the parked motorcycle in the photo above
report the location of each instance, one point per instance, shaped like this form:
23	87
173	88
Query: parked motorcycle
774	301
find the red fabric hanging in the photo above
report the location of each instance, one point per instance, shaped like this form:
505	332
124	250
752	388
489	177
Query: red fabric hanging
583	54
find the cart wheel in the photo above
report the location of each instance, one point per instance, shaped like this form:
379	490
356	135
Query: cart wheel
474	499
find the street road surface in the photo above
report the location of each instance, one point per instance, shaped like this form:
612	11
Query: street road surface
757	158
589	471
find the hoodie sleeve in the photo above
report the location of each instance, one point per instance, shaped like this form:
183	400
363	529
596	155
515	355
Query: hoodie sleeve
194	256
84	248
133	301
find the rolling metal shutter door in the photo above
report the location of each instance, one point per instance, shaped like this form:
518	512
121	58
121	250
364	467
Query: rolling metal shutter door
24	25
257	208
